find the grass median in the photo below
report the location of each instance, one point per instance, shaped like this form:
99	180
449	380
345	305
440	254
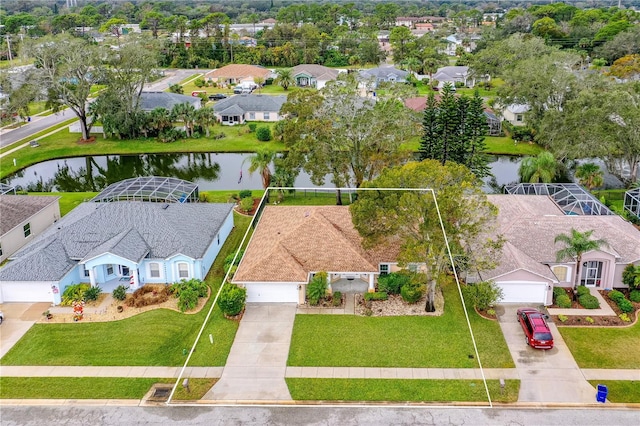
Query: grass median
401	390
620	391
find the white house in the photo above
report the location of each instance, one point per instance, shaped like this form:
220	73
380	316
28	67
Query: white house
515	114
239	109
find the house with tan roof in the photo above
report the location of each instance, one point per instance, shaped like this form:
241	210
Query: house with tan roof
236	74
292	243
528	269
312	75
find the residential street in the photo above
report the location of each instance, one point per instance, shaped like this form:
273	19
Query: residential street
81	415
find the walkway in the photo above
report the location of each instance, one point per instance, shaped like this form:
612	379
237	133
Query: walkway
604	310
257	363
545	375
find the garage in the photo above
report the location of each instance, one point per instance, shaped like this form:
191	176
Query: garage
272	292
523	292
25	291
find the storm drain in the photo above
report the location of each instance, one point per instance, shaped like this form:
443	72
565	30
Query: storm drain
158	393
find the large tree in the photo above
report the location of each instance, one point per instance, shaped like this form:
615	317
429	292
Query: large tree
454	129
411	219
576	245
346	135
67	68
539	169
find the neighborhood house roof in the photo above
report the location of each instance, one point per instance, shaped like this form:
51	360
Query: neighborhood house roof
451	73
385	73
152	100
319	72
530	224
517	108
238	72
241	104
130	229
15	209
290	242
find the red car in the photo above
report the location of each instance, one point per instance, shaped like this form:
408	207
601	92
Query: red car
536	330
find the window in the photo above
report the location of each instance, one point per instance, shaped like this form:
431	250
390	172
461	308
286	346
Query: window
266	116
86	271
252	116
384	269
183	270
519	118
218	237
109	269
154	270
27	230
561	272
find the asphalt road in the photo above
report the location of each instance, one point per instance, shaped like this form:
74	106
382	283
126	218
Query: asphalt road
319	415
40	123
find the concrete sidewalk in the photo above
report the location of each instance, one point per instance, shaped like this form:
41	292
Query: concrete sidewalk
124	371
604	310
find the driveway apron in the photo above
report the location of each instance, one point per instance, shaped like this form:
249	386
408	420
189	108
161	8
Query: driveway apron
18	319
545	375
257	363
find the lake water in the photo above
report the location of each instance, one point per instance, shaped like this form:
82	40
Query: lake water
210	171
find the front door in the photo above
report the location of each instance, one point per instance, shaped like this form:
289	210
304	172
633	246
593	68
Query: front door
591	273
124	271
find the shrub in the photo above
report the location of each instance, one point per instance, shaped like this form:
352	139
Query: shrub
120	293
92	293
229	260
588	301
625	306
563	318
317	288
559	291
582	290
631	276
232	299
634	296
491	312
198	286
219	135
263	133
72	293
411	292
624	317
245	193
188	299
199	82
378	295
252	127
483	295
392	283
616	296
246	204
563	301
589	320
336	300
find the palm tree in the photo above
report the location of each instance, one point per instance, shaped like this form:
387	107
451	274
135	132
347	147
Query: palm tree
542	168
160	119
577	243
261	161
186	113
284	79
205	118
590	175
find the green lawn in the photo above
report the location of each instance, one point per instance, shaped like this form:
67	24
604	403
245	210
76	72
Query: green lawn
155	338
603	347
64	144
36	107
505	145
621	391
303	389
68	200
36	135
407	341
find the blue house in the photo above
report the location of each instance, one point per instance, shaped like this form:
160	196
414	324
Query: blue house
108	244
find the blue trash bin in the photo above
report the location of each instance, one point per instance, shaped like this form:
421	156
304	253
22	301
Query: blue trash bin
602	393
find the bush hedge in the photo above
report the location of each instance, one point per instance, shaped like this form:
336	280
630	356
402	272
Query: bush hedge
563	301
412	292
625	306
588	301
635	296
582	290
336	299
317	288
263	134
232	299
616	296
378	295
92	293
120	293
559	291
392	283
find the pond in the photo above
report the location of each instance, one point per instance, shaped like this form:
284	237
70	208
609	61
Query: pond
210	171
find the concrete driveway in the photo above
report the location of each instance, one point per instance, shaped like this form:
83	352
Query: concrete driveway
18	319
545	375
257	362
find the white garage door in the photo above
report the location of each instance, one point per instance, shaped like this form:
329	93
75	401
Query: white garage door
20	291
269	292
523	292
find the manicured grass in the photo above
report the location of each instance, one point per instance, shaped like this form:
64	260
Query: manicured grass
191	77
36	107
155	338
303	389
621	391
405	341
197	389
75	387
64	144
603	347
36	135
68	200
505	145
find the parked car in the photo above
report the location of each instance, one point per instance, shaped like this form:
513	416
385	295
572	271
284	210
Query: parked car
1	317
536	330
217	97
